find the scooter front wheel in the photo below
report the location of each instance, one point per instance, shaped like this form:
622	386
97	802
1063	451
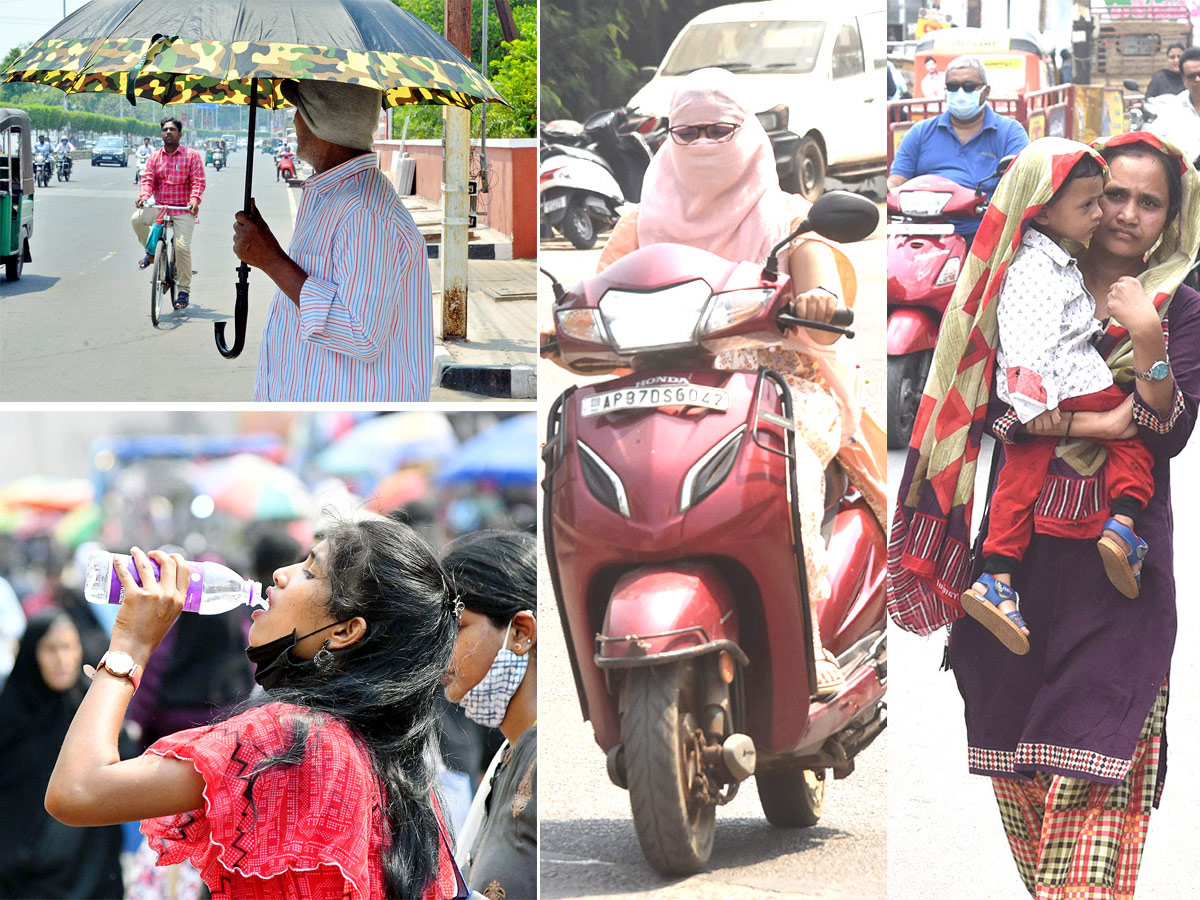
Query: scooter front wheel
578	227
905	383
792	799
674	827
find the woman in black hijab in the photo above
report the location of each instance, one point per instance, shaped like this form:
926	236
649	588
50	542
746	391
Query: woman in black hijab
39	857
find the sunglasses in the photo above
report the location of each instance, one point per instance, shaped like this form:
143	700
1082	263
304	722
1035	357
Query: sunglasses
717	131
969	86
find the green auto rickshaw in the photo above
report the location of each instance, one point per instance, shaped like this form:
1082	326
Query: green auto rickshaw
16	191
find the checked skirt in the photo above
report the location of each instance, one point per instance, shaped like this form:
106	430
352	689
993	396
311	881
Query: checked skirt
1074	839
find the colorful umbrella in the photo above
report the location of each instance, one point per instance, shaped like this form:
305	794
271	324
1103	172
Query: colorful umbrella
231	51
79	525
505	454
250	487
398	489
384	444
46	492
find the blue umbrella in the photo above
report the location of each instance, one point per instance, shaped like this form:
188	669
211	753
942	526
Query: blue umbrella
384	444
506	454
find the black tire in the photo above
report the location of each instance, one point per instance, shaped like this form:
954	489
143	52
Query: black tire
674	830
124	163
905	384
158	284
792	799
577	226
808	173
14	265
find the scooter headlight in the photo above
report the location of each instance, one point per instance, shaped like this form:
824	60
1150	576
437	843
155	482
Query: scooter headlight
949	273
731	307
923	203
581	324
655	319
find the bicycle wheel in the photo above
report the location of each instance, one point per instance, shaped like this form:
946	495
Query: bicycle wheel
158	280
169	244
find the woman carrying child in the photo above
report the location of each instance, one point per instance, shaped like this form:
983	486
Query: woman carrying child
1071	733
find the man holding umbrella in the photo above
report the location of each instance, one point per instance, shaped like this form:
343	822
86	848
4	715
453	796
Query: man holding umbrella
351	318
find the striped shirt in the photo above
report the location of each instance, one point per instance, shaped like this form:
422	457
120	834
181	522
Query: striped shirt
173	179
364	329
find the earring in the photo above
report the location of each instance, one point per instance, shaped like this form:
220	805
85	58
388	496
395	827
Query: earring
323	659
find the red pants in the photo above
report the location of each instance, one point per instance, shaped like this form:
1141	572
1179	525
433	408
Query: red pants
1127	472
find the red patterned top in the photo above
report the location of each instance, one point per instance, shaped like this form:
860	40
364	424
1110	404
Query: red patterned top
312	830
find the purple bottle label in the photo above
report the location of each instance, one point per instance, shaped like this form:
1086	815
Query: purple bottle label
195	588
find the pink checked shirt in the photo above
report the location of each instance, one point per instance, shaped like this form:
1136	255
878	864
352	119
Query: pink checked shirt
173	179
364	329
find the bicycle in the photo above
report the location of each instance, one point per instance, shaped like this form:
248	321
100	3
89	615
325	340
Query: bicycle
162	270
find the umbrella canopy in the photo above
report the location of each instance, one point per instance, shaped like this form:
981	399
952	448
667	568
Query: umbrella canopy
382	445
213	51
79	525
250	487
506	454
398	489
46	492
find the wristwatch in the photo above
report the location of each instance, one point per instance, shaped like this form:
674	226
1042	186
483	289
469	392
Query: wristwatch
1157	371
119	663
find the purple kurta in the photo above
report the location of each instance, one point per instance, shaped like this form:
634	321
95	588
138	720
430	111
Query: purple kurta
1075	704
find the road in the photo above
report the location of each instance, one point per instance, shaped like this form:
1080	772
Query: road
588	844
76	327
944	829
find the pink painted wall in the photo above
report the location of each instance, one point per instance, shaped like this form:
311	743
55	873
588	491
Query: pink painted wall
510	206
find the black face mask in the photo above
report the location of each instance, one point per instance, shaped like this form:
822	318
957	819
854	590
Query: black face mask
273	663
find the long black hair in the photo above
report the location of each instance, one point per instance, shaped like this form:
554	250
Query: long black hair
384	686
494	573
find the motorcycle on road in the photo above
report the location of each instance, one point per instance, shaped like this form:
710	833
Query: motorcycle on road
43	168
675	552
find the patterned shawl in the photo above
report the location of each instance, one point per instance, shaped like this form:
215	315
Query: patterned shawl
929	558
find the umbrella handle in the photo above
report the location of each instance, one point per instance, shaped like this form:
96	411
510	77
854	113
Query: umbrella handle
242	288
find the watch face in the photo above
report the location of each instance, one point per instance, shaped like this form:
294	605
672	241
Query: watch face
118	663
1158	371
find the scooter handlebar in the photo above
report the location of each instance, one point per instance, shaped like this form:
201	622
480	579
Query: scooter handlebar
842	318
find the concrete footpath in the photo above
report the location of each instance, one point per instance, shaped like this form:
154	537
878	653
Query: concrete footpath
498	358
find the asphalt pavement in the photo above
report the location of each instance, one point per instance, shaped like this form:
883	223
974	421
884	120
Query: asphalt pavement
944	836
588	845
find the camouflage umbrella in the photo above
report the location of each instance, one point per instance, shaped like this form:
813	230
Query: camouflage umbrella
229	51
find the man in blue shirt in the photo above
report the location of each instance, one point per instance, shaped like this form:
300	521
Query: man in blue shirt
965	142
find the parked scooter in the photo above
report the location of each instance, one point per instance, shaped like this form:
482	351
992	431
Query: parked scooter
42	168
675	553
63	165
588	172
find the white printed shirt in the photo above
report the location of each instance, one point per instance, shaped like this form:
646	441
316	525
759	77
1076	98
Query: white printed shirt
1047	325
1178	122
364	327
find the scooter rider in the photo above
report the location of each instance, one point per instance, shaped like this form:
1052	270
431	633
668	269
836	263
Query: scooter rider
63	151
174	176
144	151
714	185
964	143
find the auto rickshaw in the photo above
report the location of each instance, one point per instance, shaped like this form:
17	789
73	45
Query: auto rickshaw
1015	61
16	191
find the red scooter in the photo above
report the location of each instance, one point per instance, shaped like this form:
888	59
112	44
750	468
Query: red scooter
675	552
287	166
924	259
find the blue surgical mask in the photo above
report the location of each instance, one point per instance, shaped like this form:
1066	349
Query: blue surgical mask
487	702
963	105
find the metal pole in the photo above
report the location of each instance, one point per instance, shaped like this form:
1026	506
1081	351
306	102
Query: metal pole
455	195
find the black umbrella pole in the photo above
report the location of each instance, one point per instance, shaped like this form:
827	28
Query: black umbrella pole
242	288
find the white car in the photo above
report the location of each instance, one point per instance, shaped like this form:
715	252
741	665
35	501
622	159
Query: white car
825	64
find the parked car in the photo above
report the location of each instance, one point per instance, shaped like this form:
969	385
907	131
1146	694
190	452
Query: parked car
823	64
110	149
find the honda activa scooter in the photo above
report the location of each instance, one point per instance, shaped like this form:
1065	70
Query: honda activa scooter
588	172
675	551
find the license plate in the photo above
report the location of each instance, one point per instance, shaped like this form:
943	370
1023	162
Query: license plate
932	228
660	395
554	203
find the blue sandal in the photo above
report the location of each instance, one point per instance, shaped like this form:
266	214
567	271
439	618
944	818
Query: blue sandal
985	609
1118	564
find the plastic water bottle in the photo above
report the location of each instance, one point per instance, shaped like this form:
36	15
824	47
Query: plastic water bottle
213	588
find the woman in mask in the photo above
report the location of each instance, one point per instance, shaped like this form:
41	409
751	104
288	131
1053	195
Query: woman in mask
714	185
493	676
40	857
321	787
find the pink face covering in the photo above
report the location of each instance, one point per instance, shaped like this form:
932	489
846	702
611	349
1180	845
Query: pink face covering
723	197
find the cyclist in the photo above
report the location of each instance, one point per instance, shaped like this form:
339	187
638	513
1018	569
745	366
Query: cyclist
174	176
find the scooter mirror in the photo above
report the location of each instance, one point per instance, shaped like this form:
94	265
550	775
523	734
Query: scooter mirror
1131	85
839	215
1004	163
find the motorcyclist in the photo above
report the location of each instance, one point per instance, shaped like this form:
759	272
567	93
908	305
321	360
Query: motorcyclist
713	185
1178	116
43	146
965	142
144	151
63	151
